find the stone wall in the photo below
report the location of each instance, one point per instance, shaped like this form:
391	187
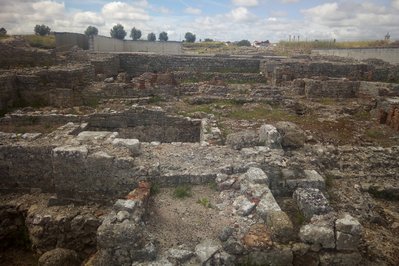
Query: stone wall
280	72
330	88
147	125
15	52
137	64
183	76
57	86
107	64
390	55
23	167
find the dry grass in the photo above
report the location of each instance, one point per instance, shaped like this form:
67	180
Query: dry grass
43	42
288	48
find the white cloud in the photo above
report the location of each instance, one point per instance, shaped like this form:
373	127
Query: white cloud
246	2
289	1
120	11
88	18
241	14
395	4
193	11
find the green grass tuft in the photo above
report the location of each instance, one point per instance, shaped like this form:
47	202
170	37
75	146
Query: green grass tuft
204	202
182	191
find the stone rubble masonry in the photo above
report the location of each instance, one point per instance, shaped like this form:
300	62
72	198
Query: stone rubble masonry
254	184
279	72
311	201
49	227
341	232
330	88
147	125
15	53
120	237
291	179
56	85
137	64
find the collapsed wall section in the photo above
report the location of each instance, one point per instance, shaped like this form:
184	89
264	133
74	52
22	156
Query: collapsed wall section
279	72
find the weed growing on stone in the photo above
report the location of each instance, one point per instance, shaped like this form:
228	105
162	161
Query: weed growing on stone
204	202
182	191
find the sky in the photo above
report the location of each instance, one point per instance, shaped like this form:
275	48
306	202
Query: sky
225	20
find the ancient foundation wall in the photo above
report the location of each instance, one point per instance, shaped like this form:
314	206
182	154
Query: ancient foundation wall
57	86
106	44
73	172
14	54
390	55
137	64
147	125
285	71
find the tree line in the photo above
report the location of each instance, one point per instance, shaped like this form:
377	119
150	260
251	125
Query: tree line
117	31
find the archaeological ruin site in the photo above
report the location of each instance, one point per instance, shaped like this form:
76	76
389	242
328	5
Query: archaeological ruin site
122	158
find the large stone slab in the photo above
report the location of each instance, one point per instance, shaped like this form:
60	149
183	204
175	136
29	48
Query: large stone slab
311	201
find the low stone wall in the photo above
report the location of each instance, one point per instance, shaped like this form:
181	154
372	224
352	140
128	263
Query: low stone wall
147	125
280	72
390	55
137	64
107	64
15	53
185	76
23	167
330	88
57	86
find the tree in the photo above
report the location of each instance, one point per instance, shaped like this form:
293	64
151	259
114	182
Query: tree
91	31
135	34
42	30
208	40
3	32
163	36
151	37
118	32
244	43
190	37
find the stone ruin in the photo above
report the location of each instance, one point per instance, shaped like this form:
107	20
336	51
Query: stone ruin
84	146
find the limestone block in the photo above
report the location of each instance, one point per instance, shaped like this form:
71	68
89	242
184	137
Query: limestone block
93	135
293	137
134	145
348	224
252	190
243	139
337	258
266	205
206	249
257	176
59	256
243	206
348	232
280	225
118	235
270	257
320	235
125	205
270	137
311	201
